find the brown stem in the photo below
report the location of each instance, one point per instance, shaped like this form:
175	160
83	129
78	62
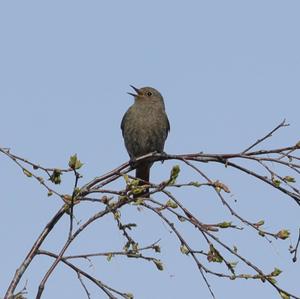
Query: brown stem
33	251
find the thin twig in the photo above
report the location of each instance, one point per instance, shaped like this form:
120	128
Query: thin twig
31	254
282	124
295	250
100	284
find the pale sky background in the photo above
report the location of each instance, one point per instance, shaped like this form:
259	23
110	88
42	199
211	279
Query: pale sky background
229	72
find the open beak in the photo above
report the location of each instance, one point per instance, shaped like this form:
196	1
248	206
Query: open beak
136	90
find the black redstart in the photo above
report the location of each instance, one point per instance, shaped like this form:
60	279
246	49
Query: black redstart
145	127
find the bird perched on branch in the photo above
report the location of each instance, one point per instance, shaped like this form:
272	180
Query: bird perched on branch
145	127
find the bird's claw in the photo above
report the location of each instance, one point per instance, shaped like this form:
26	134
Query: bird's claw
132	162
163	154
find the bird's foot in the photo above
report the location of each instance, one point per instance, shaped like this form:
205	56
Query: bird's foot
132	162
163	154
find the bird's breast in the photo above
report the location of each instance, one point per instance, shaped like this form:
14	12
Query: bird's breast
145	130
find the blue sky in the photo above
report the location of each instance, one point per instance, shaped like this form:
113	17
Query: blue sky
229	72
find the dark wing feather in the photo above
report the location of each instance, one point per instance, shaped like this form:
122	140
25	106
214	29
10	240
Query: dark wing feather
122	123
168	125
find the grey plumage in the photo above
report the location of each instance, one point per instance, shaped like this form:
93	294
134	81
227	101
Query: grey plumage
145	127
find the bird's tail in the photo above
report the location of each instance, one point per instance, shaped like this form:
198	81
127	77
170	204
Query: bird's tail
143	173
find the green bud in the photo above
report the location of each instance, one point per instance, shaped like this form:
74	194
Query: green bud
224	224
56	176
284	295
117	215
218	189
174	174
75	163
137	190
272	280
171	204
276	182
139	201
126	178
135	247
76	191
276	272
67	208
184	249
283	234
134	183
289	179
213	255
260	223
27	172
158	264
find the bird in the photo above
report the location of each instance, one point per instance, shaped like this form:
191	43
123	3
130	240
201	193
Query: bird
145	127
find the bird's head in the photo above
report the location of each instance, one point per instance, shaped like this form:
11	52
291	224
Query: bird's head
146	94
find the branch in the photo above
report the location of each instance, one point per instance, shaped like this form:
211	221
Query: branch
33	251
99	191
282	124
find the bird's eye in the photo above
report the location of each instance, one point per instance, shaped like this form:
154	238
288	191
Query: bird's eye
149	93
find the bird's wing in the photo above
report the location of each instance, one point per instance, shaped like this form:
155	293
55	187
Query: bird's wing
168	125
122	123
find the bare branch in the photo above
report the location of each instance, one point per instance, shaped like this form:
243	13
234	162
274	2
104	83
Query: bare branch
282	124
272	166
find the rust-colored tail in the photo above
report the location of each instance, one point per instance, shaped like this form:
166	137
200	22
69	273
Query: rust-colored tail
143	173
